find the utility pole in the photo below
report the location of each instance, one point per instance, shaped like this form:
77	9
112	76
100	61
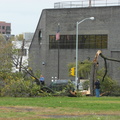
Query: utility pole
93	76
21	55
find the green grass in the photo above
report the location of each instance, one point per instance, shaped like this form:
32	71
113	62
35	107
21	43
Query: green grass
63	108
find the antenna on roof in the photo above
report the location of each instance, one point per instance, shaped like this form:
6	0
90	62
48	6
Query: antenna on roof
89	3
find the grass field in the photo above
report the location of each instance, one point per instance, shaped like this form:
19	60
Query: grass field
60	108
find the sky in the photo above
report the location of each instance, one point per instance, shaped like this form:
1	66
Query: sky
24	14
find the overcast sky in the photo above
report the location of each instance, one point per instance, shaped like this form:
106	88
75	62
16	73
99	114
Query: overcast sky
24	14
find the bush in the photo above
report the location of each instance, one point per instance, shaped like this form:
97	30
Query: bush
115	91
14	85
108	86
20	88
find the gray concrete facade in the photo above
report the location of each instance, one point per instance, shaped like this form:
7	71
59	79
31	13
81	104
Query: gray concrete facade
107	21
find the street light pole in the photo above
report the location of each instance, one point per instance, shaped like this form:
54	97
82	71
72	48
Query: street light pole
76	72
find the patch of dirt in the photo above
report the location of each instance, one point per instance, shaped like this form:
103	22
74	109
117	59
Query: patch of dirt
42	112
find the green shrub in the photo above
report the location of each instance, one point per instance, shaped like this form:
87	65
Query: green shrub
15	85
20	88
108	86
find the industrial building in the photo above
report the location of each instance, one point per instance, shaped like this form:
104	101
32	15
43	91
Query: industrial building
51	57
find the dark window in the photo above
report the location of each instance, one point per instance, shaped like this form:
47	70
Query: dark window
7	27
39	37
84	42
52	42
3	27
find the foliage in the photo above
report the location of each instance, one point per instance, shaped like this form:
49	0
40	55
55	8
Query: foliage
5	55
28	74
68	90
19	37
116	90
12	38
16	86
2	38
13	84
108	86
83	68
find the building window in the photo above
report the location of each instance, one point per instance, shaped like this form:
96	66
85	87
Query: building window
3	27
39	37
84	42
7	27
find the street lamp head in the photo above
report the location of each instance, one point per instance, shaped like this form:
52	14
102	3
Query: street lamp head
92	18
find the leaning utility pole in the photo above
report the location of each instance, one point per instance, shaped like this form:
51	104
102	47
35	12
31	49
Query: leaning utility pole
94	72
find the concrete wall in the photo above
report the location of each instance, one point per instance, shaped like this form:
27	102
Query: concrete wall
107	21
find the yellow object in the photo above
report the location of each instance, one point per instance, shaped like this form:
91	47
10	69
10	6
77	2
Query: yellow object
72	71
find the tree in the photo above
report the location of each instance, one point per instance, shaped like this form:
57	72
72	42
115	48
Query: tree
15	84
83	68
5	59
19	37
108	86
5	54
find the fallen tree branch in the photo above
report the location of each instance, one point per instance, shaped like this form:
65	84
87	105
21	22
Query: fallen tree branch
105	60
